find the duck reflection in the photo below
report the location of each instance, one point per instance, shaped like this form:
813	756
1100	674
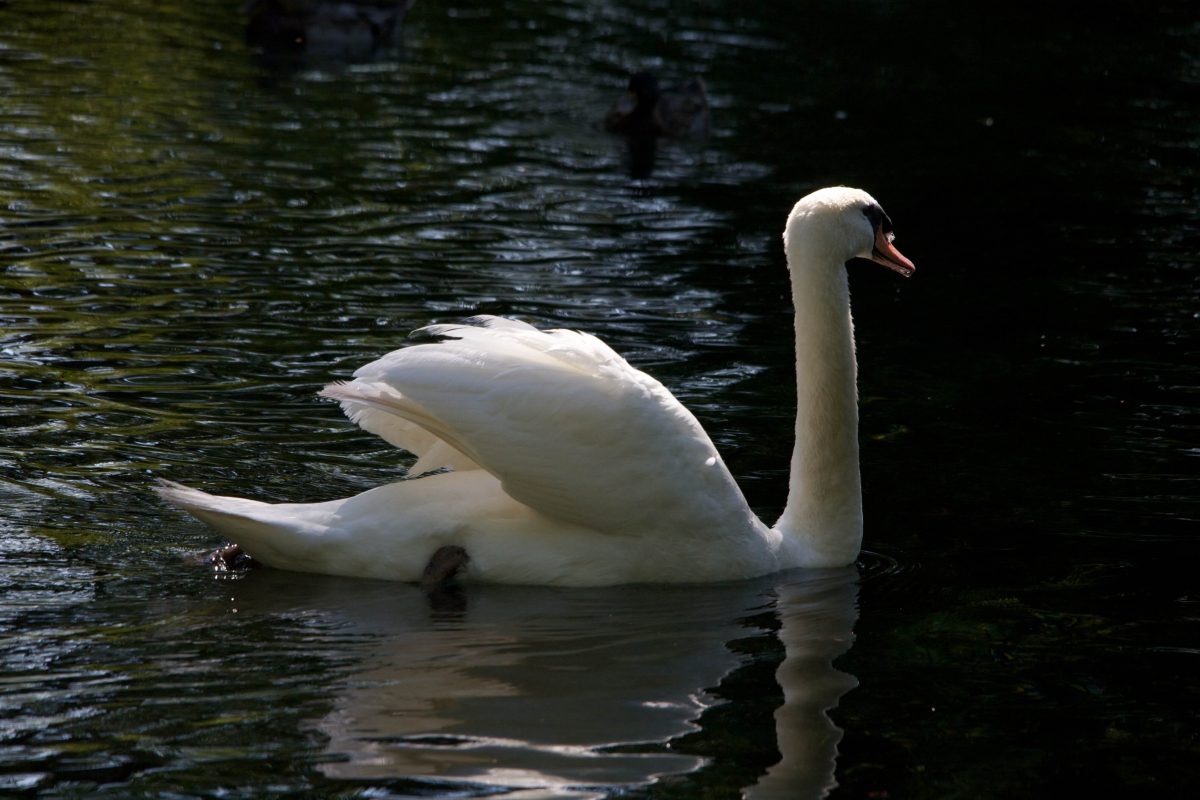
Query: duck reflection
551	690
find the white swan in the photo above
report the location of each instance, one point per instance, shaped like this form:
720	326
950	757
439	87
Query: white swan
570	467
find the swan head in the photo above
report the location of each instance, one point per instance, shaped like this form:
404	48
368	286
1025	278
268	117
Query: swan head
846	223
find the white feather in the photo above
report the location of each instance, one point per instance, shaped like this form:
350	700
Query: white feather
572	467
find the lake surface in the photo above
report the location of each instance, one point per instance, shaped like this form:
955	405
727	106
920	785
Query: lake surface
195	237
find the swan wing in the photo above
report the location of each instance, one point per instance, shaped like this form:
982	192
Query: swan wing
365	410
569	427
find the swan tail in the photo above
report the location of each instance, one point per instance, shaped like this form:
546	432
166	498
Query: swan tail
279	535
226	512
388	532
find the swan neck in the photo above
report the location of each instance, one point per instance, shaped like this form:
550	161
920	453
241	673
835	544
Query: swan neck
823	516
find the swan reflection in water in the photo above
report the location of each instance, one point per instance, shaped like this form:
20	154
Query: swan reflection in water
568	692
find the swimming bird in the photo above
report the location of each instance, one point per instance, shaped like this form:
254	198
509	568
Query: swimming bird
349	29
556	462
650	110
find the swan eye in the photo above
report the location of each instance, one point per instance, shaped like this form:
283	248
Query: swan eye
878	219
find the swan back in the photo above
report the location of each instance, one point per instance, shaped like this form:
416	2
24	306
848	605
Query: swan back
570	428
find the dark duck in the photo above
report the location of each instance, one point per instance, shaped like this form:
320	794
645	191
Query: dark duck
350	30
649	110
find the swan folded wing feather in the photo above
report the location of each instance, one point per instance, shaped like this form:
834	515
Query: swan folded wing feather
432	452
567	425
378	408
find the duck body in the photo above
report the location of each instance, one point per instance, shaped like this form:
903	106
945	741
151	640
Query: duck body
351	29
648	110
568	466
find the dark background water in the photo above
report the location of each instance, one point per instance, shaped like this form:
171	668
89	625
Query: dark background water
194	239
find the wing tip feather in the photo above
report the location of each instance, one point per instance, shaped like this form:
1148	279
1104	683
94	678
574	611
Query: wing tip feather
337	390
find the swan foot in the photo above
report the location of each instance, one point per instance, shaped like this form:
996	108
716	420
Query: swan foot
437	581
443	565
231	558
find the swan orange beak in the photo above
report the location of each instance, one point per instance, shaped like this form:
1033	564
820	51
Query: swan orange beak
884	252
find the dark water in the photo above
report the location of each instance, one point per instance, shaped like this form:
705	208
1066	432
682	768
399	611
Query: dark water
194	239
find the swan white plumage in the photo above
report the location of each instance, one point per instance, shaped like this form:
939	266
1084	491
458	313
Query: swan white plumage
571	467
